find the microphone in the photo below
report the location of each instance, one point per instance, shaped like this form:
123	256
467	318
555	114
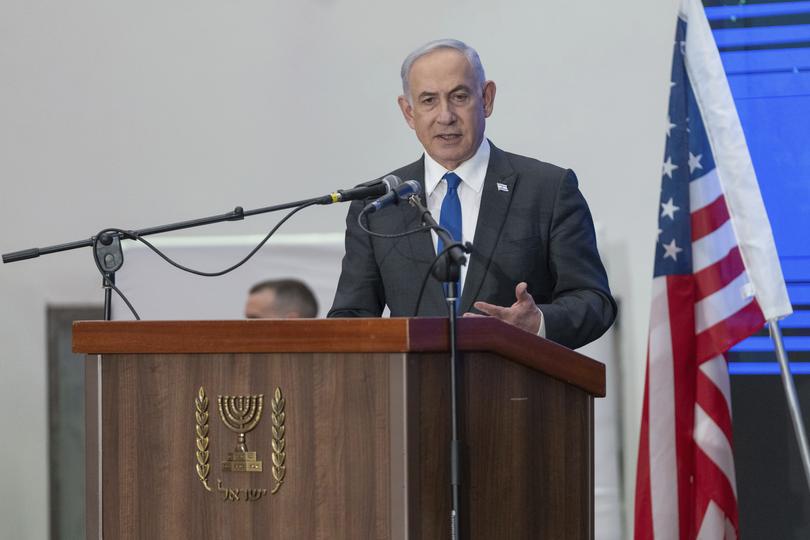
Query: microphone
374	188
403	191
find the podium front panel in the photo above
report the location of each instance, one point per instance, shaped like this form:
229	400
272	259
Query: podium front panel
315	456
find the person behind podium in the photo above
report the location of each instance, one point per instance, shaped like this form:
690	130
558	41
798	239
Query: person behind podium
535	262
281	299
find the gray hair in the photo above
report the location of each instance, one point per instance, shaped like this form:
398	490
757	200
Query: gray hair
469	53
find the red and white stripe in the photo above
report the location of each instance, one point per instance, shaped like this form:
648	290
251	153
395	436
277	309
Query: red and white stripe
726	310
686	483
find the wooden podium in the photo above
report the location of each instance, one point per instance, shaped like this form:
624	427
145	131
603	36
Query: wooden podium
333	429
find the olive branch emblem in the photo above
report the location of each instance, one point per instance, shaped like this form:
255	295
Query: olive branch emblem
202	453
279	442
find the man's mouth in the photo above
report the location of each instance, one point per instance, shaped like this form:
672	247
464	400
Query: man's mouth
449	137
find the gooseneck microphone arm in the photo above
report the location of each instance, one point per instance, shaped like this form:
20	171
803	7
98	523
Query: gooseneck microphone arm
449	270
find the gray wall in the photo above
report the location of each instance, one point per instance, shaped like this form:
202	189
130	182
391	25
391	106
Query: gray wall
137	113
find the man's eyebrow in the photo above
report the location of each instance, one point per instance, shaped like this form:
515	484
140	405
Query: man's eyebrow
459	88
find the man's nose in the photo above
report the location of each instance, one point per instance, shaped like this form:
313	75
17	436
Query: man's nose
446	114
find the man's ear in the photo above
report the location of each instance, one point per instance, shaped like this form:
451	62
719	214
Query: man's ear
489	98
407	111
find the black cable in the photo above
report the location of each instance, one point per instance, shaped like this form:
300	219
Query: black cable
465	247
423	228
134	236
108	283
230	268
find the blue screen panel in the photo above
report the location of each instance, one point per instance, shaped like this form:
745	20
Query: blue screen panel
744	10
765	49
766	368
768	35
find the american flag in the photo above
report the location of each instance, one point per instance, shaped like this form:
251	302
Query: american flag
716	280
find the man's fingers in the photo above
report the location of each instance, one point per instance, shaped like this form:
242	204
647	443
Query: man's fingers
522	293
524	313
471	315
489	309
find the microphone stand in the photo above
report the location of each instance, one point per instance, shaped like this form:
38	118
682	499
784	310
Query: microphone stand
107	245
448	271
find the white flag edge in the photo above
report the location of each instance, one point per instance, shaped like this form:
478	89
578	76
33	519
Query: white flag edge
734	167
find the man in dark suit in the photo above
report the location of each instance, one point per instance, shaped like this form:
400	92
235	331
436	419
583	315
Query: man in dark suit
535	264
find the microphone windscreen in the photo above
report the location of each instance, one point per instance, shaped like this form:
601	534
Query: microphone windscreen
392	181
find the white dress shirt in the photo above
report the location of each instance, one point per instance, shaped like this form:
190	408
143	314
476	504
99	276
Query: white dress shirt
472	173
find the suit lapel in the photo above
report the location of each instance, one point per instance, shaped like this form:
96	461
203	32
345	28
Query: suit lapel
421	244
496	197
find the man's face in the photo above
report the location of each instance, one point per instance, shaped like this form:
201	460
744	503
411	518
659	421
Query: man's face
260	305
264	305
447	107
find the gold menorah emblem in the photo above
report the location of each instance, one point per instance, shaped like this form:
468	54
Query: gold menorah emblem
241	414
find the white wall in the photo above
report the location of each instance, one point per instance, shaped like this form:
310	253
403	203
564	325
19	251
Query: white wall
139	113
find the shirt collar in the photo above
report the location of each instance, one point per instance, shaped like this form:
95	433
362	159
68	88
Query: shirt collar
471	172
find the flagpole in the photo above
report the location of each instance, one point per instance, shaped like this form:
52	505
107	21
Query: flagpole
792	398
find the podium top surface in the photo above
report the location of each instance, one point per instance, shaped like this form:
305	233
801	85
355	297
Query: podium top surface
394	335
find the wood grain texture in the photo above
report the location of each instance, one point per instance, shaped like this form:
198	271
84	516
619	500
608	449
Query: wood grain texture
91	456
340	336
337	447
527	469
527	460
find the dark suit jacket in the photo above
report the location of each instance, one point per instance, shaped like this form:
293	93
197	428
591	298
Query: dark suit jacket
539	231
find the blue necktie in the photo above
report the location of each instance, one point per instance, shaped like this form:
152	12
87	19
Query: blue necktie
451	209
